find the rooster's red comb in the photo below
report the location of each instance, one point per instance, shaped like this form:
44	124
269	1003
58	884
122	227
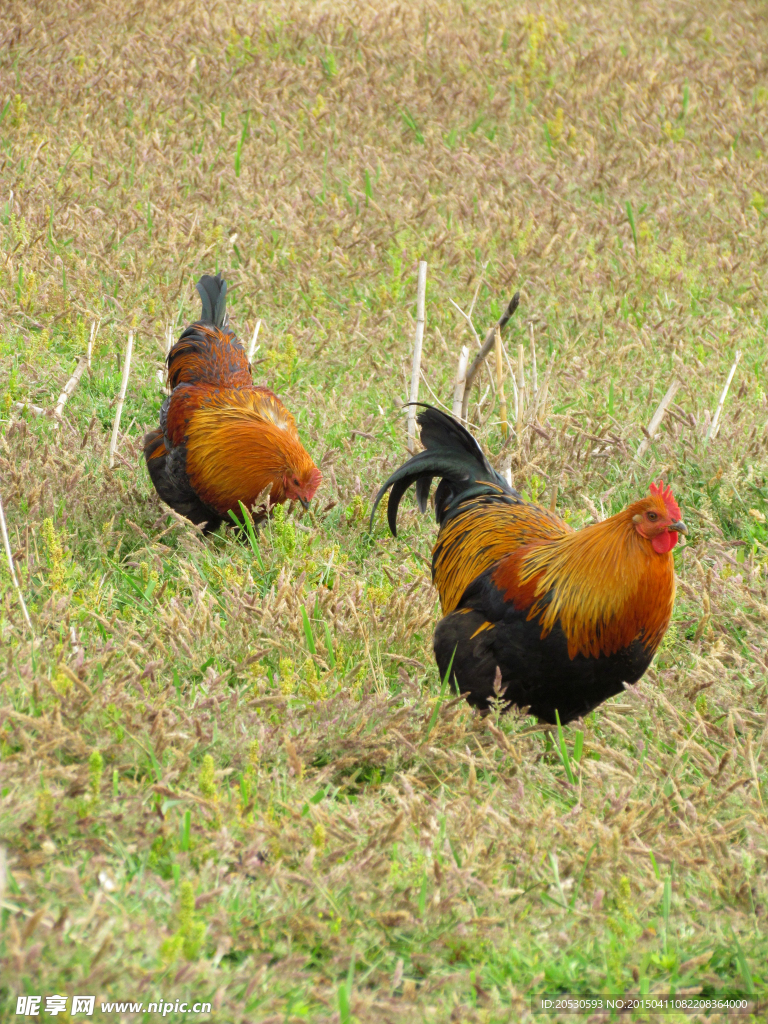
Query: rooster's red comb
665	493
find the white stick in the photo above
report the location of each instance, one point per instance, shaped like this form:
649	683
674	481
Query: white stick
658	416
252	346
421	291
7	545
520	389
36	410
534	375
95	325
70	386
162	375
715	424
461	381
121	398
512	378
500	386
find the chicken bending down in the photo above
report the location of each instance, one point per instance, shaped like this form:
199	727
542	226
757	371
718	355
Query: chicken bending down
568	616
222	440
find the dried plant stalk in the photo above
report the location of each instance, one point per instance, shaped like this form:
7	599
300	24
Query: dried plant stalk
252	346
418	341
520	389
461	383
658	416
715	424
534	375
162	375
541	405
168	347
121	398
500	386
485	348
95	325
70	386
512	377
36	410
9	556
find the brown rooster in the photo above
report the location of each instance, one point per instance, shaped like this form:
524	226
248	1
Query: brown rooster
221	440
568	617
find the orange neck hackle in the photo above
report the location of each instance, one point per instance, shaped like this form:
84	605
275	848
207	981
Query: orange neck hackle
235	451
605	585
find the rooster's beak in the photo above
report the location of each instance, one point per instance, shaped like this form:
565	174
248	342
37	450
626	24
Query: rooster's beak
679	527
305	503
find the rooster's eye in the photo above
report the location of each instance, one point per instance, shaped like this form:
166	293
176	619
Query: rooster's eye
653	516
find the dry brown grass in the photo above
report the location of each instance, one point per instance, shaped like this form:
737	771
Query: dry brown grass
268	734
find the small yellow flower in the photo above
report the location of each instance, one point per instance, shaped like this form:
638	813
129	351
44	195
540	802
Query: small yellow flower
206	778
319	837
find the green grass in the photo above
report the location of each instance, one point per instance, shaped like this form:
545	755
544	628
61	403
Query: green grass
228	769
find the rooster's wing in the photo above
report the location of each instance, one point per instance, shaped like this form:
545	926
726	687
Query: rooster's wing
168	472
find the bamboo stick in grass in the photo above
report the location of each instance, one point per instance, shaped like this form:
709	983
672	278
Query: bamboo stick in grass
9	556
36	410
461	383
512	377
162	375
168	347
520	390
534	375
418	341
94	332
252	346
657	417
121	398
70	386
715	424
500	386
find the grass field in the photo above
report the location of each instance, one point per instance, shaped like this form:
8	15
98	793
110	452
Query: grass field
226	773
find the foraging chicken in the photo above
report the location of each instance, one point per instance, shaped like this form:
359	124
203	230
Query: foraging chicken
222	440
568	616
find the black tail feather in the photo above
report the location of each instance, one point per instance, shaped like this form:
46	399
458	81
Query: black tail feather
450	453
439	430
213	292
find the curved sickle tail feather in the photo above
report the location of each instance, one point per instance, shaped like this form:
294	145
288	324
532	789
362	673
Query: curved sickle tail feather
451	453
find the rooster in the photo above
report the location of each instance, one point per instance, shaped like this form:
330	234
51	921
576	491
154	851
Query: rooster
222	440
568	617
